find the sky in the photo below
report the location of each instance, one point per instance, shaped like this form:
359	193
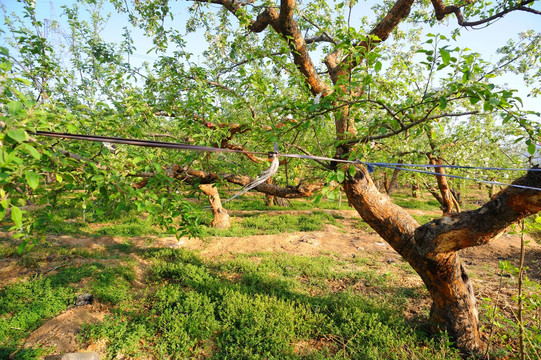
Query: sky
485	41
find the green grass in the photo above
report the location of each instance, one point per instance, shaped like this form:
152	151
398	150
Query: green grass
261	224
131	224
423	219
251	203
252	306
260	306
25	305
411	203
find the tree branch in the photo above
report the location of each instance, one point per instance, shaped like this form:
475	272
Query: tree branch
325	165
478	227
408	126
284	24
379	33
302	190
442	11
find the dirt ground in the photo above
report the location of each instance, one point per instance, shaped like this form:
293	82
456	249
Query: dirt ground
348	240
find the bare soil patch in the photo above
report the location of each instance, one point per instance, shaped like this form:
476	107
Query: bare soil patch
60	333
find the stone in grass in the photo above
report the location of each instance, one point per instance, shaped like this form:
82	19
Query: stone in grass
84	299
81	356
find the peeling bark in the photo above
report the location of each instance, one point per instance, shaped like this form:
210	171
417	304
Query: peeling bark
478	227
415	190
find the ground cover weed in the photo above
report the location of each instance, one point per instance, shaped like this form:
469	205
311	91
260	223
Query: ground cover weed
25	305
258	306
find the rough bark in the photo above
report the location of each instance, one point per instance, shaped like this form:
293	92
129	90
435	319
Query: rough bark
453	306
431	249
269	199
220	216
447	200
301	190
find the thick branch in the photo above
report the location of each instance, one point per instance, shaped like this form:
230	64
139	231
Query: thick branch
478	227
379	33
442	11
284	24
289	29
302	190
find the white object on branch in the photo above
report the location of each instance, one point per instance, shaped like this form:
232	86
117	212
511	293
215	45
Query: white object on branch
264	176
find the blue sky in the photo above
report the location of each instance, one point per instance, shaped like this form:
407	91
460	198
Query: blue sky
485	41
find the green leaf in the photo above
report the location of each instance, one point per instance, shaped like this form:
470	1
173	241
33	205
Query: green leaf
5	65
2	214
531	148
21	247
443	102
32	151
445	56
59	178
32	179
340	175
17	216
377	67
14	107
474	100
18	135
352	171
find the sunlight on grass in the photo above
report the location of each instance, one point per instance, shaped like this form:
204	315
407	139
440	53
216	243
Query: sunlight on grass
263	224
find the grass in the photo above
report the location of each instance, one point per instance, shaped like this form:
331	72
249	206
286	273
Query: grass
263	224
258	306
408	202
252	306
249	306
25	305
131	224
251	203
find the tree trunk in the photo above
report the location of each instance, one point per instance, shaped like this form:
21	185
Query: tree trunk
447	200
393	184
431	249
220	216
269	199
415	190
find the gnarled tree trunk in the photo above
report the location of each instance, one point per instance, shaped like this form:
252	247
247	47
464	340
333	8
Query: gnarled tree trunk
431	249
220	216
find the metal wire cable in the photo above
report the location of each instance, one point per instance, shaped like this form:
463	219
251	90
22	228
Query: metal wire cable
370	165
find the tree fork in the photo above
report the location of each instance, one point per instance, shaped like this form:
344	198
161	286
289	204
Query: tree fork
431	249
450	289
